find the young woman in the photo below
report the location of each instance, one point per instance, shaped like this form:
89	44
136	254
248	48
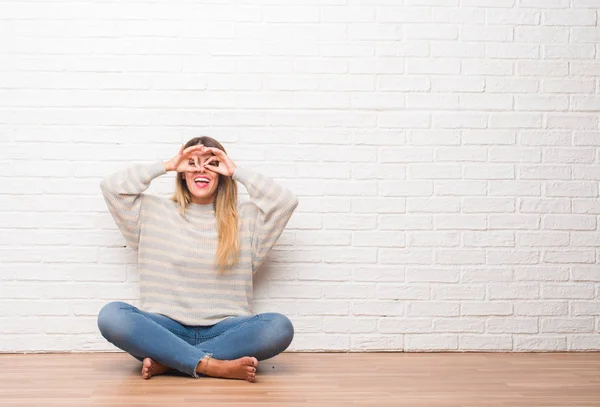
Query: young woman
197	253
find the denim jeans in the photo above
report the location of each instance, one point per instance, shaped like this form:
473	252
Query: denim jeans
145	334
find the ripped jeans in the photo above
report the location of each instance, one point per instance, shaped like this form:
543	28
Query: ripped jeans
181	347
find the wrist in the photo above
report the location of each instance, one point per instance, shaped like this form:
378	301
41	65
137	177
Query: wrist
167	166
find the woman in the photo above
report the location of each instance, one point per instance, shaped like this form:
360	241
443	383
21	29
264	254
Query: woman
197	253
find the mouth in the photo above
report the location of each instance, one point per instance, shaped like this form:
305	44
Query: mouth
202	182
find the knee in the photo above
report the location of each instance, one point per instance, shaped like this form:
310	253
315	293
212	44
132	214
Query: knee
110	318
281	328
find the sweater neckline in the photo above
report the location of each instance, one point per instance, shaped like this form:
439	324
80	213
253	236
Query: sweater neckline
200	208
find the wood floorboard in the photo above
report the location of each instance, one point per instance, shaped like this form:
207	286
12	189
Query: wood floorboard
319	379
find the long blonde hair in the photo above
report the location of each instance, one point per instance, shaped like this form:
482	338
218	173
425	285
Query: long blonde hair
225	205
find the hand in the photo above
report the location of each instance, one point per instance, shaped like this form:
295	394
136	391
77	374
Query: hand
180	162
219	162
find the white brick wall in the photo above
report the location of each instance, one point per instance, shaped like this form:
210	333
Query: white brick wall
445	153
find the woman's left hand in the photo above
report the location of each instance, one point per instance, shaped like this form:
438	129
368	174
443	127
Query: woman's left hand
219	162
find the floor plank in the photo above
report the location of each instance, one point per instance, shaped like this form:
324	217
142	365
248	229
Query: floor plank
319	379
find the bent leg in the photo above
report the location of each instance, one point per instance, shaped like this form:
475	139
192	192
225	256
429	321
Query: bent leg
143	334
262	336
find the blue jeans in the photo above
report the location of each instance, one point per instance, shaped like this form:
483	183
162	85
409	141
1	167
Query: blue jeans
146	334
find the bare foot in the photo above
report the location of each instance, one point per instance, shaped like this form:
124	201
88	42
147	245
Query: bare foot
242	368
151	368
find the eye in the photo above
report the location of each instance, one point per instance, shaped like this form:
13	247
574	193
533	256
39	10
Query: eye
192	163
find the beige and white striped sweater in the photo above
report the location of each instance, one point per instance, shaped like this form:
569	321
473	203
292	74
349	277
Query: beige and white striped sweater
176	257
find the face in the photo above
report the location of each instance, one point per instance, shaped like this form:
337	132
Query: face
202	192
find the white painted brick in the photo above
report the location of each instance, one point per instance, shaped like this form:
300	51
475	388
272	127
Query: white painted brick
378	273
405	188
356	255
501	325
446	256
549	138
459	120
585	308
321	307
439	342
405	325
379	239
433	239
515	188
584	342
438	137
513	292
439	275
580	291
410	256
571	51
543	239
351	325
350	291
498	256
567	325
434	171
485	308
571	121
458	325
458	188
494	171
405	222
544	172
377	342
569	222
443	153
378	205
585	273
378	171
539	343
545	68
541	308
466	222
432	308
487	205
569	86
566	257
513	16
458	292
488	274
402	292
378	308
430	31
512	51
485	342
438	205
350	222
489	239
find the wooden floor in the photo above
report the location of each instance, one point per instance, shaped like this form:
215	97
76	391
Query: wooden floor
318	379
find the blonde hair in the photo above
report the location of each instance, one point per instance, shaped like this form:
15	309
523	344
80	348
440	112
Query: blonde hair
225	205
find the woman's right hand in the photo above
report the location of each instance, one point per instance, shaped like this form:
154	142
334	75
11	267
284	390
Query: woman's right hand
180	162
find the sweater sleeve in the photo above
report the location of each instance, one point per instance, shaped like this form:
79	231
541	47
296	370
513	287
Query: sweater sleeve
275	205
122	192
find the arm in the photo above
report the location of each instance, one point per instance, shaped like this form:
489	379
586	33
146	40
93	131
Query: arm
122	192
275	204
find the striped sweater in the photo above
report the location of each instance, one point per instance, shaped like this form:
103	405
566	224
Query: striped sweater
176	257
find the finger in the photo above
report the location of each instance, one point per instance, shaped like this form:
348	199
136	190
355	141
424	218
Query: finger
215	150
197	147
196	161
214	169
209	160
